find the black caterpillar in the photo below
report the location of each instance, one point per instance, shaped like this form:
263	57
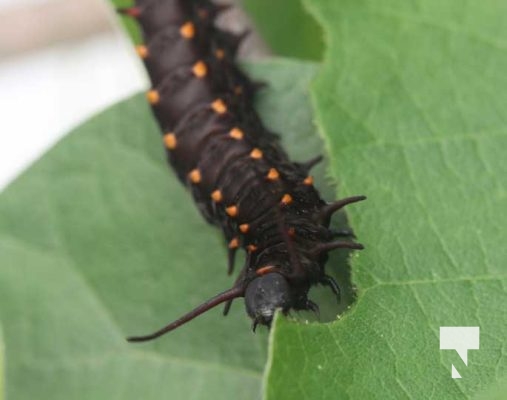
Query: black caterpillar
240	177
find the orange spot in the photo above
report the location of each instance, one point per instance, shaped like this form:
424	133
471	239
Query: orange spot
153	97
236	133
292	231
264	270
195	176
251	248
199	69
219	53
217	196
286	199
170	140
219	106
202	13
187	30
256	154
133	12
308	181
273	174
234	243
232	211
244	228
142	51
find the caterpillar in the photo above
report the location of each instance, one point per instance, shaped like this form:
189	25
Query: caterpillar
240	177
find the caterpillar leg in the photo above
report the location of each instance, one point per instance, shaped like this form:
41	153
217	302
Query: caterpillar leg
231	255
228	304
312	306
342	233
329	281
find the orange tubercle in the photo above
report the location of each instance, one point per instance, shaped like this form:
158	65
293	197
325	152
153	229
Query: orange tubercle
170	141
217	196
264	270
256	154
219	54
199	69
234	243
202	13
187	30
219	106
142	51
244	228
308	180
133	12
286	199
236	133
195	176
232	211
153	97
251	248
273	174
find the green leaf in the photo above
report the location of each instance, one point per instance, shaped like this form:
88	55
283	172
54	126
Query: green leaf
287	27
2	366
411	101
98	240
496	392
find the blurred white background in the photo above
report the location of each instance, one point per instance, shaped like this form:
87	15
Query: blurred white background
60	63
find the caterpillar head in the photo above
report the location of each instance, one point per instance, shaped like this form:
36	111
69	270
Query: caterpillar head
264	295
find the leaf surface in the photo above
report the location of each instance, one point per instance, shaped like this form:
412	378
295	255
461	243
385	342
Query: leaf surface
287	28
411	101
2	366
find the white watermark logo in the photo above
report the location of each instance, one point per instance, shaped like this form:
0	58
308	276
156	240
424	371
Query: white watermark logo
461	339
